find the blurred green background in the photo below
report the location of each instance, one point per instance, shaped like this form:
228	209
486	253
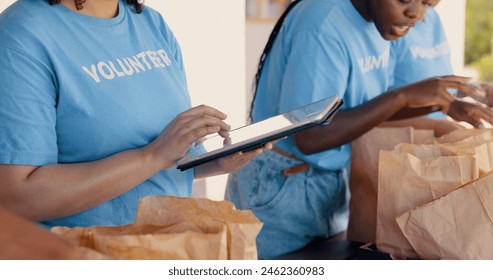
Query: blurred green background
479	36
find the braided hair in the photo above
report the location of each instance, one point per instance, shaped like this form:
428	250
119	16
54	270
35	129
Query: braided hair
137	4
268	47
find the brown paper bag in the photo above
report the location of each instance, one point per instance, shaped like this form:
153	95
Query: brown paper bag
406	181
474	135
242	226
424	151
364	173
423	136
477	142
181	241
482	151
458	225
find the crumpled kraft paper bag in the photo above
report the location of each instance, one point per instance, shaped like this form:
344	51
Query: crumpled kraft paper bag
477	142
473	135
406	181
181	241
482	151
424	151
242	226
458	225
364	174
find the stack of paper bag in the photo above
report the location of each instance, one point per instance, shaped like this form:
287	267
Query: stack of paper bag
174	228
433	200
242	226
458	225
473	135
182	241
478	143
364	173
412	175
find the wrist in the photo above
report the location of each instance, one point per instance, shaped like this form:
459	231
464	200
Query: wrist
400	98
151	157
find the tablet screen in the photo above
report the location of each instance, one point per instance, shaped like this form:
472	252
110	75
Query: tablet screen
254	135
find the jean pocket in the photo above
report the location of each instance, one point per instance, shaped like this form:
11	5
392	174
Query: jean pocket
271	185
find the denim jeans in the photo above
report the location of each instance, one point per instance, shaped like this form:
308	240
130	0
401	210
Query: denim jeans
294	209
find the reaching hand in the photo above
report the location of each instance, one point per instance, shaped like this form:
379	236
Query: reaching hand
485	93
470	113
184	130
433	92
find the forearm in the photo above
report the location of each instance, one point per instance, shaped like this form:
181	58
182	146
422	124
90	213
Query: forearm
59	190
408	113
416	122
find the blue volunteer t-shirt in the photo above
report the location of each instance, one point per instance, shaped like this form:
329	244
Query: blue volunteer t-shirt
77	89
325	48
423	53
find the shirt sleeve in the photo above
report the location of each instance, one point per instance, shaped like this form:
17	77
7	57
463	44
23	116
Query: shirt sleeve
173	45
27	110
317	68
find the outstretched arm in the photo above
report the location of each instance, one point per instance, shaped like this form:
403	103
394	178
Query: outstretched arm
421	97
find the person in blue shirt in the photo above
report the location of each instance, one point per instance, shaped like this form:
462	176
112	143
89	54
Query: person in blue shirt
320	48
424	46
425	52
95	112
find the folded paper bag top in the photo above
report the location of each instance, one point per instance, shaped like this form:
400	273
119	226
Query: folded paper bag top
181	241
242	226
174	228
460	135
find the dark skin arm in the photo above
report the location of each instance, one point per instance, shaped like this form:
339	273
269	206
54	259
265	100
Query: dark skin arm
348	125
471	113
418	98
483	93
407	113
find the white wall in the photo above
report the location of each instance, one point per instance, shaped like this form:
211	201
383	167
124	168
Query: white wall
5	3
211	34
453	15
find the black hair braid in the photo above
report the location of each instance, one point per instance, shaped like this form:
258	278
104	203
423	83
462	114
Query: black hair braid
268	47
137	4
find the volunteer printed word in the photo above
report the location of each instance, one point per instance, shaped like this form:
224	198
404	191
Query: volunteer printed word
371	63
429	53
128	66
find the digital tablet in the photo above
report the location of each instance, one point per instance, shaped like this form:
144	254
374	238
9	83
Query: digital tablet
256	135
